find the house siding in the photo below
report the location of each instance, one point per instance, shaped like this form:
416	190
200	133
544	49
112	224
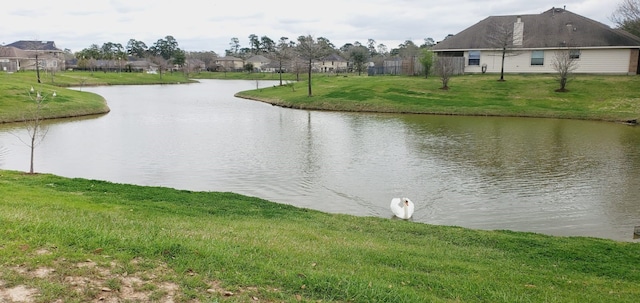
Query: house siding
601	61
604	50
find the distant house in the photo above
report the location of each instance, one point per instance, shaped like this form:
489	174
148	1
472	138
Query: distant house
274	66
229	63
258	61
331	64
534	40
10	58
142	65
24	55
194	65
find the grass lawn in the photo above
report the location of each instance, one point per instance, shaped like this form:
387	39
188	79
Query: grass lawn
78	240
16	104
594	97
609	98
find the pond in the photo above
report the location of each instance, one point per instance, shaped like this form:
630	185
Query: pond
558	177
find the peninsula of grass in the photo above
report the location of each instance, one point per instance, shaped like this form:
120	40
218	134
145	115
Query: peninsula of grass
79	240
16	104
590	97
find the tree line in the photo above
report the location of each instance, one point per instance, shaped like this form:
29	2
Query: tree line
166	52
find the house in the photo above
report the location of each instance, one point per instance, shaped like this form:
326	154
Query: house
194	65
142	65
274	67
331	64
10	58
23	55
229	63
258	61
532	41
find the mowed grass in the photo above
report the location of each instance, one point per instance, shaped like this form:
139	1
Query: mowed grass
17	105
592	97
609	98
225	247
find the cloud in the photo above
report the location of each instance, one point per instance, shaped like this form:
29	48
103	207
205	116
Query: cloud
205	25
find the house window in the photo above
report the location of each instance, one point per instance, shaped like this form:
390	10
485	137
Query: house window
474	57
574	54
537	58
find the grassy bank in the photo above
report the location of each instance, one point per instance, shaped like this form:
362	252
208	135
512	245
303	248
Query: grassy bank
595	97
610	98
15	102
244	76
78	240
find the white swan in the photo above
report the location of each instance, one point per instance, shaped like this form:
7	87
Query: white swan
402	207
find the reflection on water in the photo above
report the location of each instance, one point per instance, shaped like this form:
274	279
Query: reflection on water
560	177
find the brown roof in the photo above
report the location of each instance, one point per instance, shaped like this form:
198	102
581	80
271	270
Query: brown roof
554	28
12	52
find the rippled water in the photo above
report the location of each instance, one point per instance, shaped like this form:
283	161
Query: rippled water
559	177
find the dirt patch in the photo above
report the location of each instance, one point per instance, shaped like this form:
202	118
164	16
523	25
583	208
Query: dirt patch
104	280
17	294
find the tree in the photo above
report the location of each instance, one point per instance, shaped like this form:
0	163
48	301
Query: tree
166	51
208	57
164	48
627	16
234	47
254	44
359	55
311	50
267	45
88	57
136	48
444	68
408	49
179	57
34	123
282	54
428	43
426	59
248	67
504	38
382	50
107	53
564	63
371	46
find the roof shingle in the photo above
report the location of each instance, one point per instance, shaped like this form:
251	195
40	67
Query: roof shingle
551	29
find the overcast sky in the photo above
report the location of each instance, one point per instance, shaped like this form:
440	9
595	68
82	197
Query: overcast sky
199	25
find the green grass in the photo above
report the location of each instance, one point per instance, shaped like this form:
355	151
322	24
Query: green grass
609	98
15	103
244	76
208	244
593	97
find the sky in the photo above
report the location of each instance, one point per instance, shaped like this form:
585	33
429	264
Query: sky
206	25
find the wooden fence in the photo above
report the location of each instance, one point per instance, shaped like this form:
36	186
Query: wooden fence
409	67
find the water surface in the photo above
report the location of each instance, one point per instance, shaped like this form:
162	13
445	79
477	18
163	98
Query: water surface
559	177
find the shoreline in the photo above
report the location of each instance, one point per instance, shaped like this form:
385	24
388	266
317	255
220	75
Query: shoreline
631	122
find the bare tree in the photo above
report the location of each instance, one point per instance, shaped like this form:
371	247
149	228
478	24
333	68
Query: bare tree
444	68
161	62
311	50
627	16
505	37
282	54
565	63
34	123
